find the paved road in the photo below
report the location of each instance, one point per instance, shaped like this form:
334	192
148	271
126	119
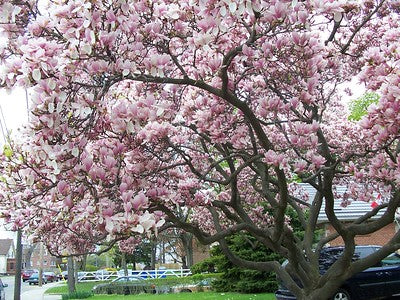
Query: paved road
28	292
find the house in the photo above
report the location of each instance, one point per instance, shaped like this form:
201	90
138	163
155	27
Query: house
350	213
50	262
200	251
7	256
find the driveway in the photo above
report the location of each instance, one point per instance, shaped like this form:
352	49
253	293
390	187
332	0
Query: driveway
28	292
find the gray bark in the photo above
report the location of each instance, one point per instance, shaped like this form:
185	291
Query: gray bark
71	275
17	278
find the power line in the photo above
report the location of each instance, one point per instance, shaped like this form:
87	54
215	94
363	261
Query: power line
2	128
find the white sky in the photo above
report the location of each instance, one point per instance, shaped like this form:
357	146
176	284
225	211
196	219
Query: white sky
13	106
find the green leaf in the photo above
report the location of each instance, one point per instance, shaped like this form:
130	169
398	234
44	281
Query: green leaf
358	107
7	151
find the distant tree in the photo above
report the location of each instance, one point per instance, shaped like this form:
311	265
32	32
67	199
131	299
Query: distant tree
28	251
80	262
140	254
99	261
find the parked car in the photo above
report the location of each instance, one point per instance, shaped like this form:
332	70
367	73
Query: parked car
50	276
87	276
123	279
378	281
102	274
63	275
2	293
125	285
122	272
27	273
202	286
34	279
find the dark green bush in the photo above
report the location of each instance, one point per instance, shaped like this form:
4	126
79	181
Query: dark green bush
125	289
197	277
153	286
90	268
170	281
235	279
205	266
256	286
76	295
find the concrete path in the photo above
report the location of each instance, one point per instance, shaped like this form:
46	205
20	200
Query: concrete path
37	293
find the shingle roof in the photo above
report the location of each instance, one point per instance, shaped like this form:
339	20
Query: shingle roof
5	245
351	212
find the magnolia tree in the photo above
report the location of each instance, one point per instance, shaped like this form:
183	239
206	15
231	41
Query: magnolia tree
143	109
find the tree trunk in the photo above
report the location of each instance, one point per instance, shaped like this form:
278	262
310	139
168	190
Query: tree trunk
75	270
17	278
153	254
81	263
123	263
189	251
28	256
187	241
134	263
41	265
71	275
184	265
163	252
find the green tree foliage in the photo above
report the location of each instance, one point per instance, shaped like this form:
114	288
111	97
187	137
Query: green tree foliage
358	107
237	279
90	268
7	151
141	254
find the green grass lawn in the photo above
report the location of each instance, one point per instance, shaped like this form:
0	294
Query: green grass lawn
87	286
188	296
80	287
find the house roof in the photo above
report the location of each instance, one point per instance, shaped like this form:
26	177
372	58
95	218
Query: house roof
351	212
5	245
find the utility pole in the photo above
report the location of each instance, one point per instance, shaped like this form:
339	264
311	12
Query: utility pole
41	264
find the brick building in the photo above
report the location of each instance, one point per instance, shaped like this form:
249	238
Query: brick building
200	251
350	213
380	237
49	262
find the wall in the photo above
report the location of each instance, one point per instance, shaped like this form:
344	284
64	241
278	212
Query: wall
379	237
11	265
49	262
3	264
200	251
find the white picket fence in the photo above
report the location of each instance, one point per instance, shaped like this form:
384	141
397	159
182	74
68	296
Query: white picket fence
145	274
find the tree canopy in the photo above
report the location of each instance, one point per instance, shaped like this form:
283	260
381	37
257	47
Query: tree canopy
143	109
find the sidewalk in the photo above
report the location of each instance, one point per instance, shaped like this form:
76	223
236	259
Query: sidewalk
38	294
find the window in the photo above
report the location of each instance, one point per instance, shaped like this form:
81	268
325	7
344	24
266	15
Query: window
362	252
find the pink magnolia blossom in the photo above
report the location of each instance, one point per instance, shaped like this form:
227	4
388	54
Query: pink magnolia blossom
198	112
